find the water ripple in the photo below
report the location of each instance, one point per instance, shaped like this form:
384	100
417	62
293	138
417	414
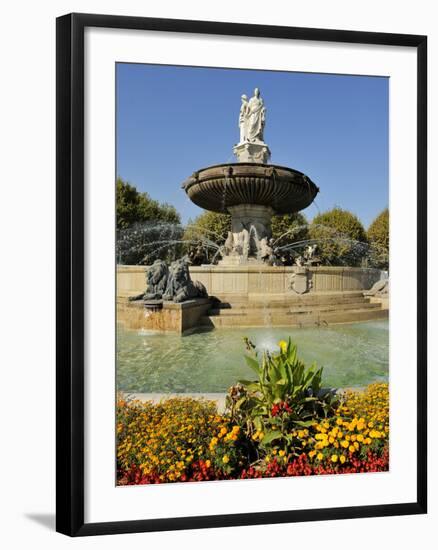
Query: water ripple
212	360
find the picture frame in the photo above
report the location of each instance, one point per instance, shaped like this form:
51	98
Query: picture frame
72	299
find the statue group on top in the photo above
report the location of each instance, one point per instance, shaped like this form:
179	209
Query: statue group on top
252	118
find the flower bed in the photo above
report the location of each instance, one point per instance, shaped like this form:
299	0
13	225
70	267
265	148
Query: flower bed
283	424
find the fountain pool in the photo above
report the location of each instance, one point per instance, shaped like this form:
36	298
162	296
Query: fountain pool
206	361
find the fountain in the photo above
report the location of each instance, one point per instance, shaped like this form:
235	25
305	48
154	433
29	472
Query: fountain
251	190
251	284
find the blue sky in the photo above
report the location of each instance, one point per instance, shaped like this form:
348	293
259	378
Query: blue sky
172	121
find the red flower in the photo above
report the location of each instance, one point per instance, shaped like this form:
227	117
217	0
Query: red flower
280	408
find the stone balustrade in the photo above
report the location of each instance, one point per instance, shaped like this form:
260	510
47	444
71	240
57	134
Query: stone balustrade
253	280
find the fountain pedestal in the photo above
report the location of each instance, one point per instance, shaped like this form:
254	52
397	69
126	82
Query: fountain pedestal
252	152
255	218
252	193
250	230
236	259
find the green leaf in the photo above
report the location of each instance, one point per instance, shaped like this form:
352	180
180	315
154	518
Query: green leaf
258	423
252	363
304	423
270	436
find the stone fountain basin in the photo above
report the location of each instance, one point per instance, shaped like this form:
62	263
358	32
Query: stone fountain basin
218	187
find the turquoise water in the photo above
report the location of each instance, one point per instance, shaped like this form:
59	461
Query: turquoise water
210	361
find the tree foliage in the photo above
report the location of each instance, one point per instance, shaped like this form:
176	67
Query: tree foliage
204	235
209	225
378	237
146	229
135	207
340	237
289	228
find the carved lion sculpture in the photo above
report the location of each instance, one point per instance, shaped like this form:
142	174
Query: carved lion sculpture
380	288
156	282
180	286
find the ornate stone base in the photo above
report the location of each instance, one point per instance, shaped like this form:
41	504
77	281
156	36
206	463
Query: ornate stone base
170	317
249	235
252	152
236	259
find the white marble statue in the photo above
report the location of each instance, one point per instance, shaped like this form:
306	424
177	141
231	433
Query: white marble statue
310	251
243	118
252	116
266	252
229	244
256	114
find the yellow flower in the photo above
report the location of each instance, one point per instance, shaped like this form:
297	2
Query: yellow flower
225	459
342	459
312	453
282	453
334	458
208	463
344	443
320	456
283	346
339	421
351	449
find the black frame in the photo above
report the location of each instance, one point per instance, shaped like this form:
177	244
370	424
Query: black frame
70	272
